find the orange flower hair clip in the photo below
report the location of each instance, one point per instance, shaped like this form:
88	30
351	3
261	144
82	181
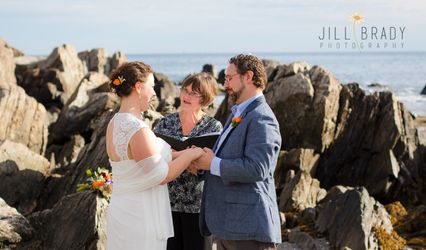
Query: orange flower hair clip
119	80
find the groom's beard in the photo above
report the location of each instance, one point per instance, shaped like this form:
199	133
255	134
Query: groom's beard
235	95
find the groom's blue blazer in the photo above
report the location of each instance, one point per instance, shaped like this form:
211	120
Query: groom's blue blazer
241	203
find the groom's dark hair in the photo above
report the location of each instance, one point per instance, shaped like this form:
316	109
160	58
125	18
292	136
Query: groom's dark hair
246	63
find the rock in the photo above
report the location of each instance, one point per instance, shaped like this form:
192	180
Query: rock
211	69
96	60
151	118
376	85
420	125
54	79
270	68
7	64
91	156
166	106
291	69
306	107
396	211
25	64
413	227
348	219
43	85
221	77
67	153
82	110
165	90
22	174
23	118
14	228
303	240
16	52
300	192
71	69
116	60
77	221
224	110
423	91
296	159
375	146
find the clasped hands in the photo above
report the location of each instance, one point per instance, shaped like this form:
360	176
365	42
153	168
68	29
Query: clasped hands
203	162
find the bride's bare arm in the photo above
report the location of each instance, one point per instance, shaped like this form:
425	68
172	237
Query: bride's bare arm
142	146
178	165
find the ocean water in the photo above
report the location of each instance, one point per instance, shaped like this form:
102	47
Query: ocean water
404	73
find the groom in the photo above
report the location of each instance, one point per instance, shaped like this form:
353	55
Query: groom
239	204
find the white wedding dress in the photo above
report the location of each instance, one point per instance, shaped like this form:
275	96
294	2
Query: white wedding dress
139	213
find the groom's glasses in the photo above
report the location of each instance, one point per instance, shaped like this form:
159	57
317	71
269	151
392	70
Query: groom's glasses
190	94
228	78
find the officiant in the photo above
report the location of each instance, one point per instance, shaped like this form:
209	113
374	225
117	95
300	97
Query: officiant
197	92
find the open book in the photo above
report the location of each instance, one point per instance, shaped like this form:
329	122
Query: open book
207	140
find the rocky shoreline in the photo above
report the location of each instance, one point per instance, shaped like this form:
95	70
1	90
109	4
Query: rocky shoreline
351	172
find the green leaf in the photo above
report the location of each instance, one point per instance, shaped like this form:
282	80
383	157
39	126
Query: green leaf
89	172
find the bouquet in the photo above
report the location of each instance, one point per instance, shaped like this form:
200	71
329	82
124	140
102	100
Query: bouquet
99	181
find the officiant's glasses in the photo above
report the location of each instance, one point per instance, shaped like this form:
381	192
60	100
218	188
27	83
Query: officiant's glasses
190	94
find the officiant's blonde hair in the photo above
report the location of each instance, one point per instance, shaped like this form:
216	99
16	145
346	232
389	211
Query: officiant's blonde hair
204	84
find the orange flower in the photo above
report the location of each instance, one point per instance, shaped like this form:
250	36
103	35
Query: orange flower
357	18
236	121
116	82
95	184
101	183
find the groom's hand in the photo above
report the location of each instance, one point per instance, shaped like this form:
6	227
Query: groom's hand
205	160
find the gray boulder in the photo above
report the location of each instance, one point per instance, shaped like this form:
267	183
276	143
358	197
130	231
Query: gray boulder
116	60
167	93
349	219
66	154
376	145
22	175
77	221
80	114
211	69
306	105
14	228
291	69
7	64
300	192
23	118
71	68
95	60
270	68
56	78
297	159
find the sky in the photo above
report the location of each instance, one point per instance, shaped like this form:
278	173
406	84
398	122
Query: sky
199	26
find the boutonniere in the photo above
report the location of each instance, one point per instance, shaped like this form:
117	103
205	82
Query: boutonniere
236	121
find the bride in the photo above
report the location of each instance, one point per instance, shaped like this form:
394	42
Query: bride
139	215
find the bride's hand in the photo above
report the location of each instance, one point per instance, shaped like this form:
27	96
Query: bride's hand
196	152
192	169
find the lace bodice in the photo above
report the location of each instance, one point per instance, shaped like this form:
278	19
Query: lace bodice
125	126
